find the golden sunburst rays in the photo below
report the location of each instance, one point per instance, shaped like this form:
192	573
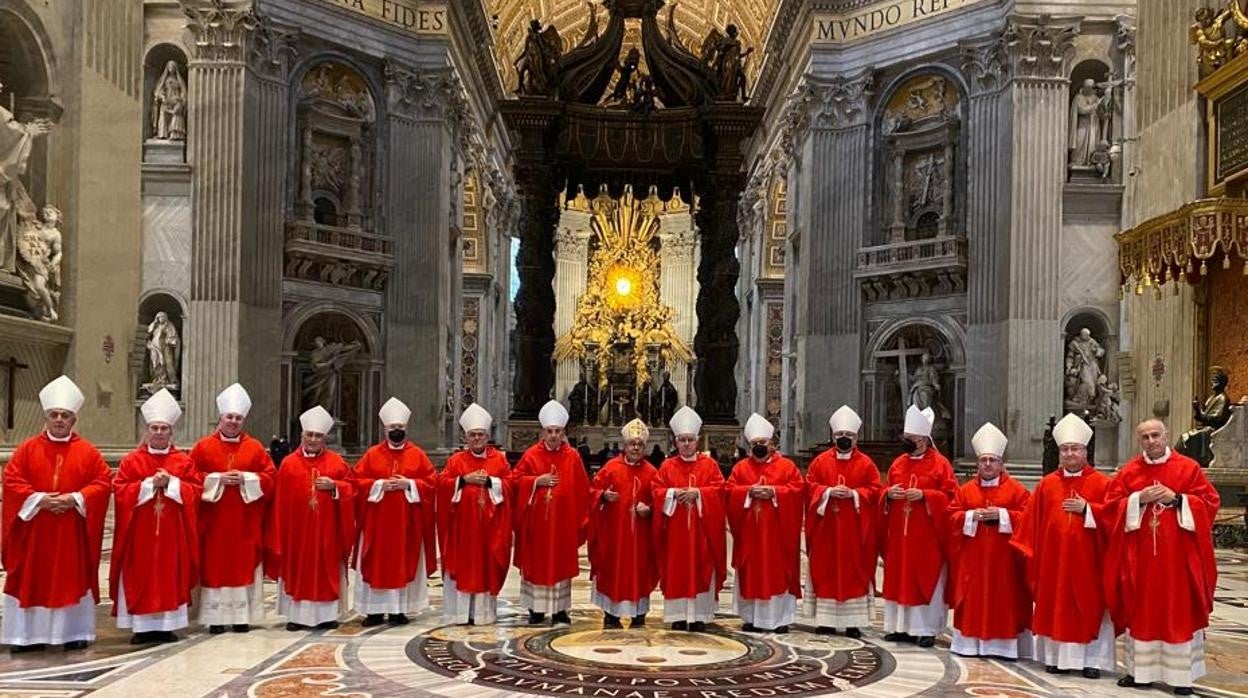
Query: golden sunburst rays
622	301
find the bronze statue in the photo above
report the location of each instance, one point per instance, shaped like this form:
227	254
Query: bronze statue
1197	444
723	54
537	66
584	402
625	70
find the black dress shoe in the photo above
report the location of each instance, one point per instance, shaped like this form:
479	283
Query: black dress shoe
897	637
20	649
1128	681
854	633
141	639
293	627
1049	668
697	626
327	625
241	628
748	628
536	618
73	645
373	620
164	636
680	625
1090	672
1182	690
397	619
638	621
561	618
782	630
825	630
927	641
216	629
611	622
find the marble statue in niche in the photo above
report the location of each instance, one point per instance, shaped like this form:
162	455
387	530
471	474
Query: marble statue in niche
1083	372
1210	416
164	348
39	263
16	207
169	105
1091	112
925	385
327	360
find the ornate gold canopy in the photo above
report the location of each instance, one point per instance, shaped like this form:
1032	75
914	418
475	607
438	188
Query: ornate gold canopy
694	20
1179	245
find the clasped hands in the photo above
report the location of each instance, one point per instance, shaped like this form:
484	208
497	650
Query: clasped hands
232	477
987	514
57	502
762	492
1157	493
395	483
479	477
641	508
840	492
325	483
913	494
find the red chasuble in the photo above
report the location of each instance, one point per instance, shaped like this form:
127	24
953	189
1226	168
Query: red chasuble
621	555
690	544
231	530
766	536
1159	578
989	586
53	560
474	533
394	532
550	521
156	543
913	535
841	543
309	533
1062	555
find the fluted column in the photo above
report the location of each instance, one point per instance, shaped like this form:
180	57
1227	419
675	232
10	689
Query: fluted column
237	101
1039	50
988	125
425	109
678	289
832	176
572	266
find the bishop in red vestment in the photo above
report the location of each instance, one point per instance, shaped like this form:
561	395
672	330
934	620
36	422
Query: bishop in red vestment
1160	571
914	533
56	492
155	561
311	529
690	540
991	602
1064	546
474	524
623	571
551	512
238	476
396	550
766	498
843	493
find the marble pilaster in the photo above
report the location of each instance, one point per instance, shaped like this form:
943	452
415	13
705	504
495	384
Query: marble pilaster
678	287
988	120
1039	50
831	169
425	109
571	269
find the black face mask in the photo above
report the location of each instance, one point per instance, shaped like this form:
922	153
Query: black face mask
844	443
396	436
759	451
909	446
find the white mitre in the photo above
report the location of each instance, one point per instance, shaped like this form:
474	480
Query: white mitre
989	441
1072	430
553	414
845	419
685	421
919	422
757	427
61	394
394	412
475	418
234	400
161	408
317	420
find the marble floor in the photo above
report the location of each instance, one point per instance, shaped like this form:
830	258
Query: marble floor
426	658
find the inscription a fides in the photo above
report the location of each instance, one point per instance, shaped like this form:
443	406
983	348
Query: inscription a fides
408	15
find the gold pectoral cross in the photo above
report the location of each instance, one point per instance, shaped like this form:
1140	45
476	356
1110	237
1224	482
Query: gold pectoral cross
56	473
159	508
762	481
312	501
550	492
836	506
1154	523
905	528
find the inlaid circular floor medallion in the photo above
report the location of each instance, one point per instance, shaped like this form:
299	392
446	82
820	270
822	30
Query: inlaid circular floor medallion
652	663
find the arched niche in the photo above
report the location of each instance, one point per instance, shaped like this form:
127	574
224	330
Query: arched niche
1087	362
156	64
915	360
1093	129
332	357
27	71
159	344
920	174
